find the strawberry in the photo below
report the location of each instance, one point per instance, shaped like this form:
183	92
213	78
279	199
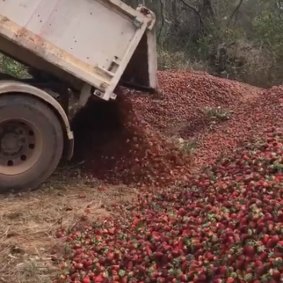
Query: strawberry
275	273
87	280
249	250
99	279
272	242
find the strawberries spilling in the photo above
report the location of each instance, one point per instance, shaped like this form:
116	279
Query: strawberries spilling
224	225
138	154
197	119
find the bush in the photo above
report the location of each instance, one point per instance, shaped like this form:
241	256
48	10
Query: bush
179	60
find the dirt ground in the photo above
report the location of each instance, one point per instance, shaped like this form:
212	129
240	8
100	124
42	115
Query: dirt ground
28	221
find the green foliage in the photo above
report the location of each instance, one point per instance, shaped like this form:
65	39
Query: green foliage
215	114
187	146
269	31
230	38
178	60
11	67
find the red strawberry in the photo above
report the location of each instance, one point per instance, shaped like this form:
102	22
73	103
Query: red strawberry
276	274
182	211
230	280
99	279
249	250
86	280
273	241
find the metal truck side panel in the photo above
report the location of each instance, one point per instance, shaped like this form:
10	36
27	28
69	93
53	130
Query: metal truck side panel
92	40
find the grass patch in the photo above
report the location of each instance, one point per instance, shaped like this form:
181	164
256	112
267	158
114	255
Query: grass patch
187	146
217	114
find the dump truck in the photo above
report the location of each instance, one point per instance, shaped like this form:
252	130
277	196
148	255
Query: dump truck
73	50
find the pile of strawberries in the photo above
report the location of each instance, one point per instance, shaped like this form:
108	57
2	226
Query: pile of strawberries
182	112
145	151
224	225
183	97
138	154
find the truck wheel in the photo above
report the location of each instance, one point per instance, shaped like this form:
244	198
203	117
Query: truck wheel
31	142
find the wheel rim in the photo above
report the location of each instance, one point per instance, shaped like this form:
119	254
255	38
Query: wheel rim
20	146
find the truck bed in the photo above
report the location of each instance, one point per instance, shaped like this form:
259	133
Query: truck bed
85	42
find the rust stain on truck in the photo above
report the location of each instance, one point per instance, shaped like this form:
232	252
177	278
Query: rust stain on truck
59	57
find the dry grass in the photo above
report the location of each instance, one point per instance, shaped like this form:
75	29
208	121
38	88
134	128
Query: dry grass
217	113
28	222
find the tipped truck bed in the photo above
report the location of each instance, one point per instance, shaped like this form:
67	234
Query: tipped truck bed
89	43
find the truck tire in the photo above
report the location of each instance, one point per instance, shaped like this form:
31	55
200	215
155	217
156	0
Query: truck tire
31	142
